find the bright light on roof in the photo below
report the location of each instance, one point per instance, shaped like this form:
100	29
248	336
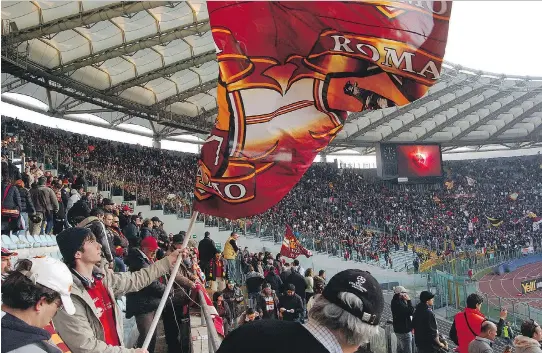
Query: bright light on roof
27	100
89	118
135	128
187	137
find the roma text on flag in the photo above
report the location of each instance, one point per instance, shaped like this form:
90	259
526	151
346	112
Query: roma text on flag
288	74
291	247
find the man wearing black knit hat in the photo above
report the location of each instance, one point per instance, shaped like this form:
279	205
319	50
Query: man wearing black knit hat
344	317
96	326
424	323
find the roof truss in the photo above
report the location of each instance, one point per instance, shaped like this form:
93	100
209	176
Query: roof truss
439	109
83	18
460	116
493	115
168	70
135	45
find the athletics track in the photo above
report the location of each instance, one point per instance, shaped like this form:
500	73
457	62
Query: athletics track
508	285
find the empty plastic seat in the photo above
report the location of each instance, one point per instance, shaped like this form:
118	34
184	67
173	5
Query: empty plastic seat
51	239
23	240
41	239
8	243
30	239
46	241
20	244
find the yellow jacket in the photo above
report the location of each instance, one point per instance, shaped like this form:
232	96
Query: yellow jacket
229	251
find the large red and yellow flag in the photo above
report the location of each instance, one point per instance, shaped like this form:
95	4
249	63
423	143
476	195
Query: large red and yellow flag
289	72
291	247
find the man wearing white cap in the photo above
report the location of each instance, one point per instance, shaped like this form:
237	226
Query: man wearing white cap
402	311
31	296
6	261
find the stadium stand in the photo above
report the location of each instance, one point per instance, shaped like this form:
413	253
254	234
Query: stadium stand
346	213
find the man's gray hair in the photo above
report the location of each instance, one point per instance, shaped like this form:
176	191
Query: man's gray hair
353	331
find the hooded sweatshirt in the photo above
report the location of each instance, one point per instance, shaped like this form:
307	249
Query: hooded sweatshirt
20	337
522	344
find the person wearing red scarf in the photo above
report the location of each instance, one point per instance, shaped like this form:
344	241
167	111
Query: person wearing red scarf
217	273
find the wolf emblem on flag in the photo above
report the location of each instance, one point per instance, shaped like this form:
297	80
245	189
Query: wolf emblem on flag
288	74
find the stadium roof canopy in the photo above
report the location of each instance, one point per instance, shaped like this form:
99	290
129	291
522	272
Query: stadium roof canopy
153	64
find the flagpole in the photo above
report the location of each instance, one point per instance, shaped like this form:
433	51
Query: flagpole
158	312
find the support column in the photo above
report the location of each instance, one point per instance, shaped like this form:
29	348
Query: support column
156	142
323	155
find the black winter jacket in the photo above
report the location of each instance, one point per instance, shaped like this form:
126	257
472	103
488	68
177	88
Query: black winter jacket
26	201
291	302
146	232
425	328
162	237
401	311
78	212
274	281
298	281
147	299
206	250
254	281
12	200
131	232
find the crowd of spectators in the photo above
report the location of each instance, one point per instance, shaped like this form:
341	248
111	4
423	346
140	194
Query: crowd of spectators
349	212
485	204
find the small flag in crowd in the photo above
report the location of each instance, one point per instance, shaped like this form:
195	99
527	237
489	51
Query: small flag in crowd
471	181
495	222
449	185
291	247
513	196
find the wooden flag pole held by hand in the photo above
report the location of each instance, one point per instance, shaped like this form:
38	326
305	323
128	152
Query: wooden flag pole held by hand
169	284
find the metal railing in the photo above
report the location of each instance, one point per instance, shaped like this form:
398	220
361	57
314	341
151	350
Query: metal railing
212	336
475	261
452	287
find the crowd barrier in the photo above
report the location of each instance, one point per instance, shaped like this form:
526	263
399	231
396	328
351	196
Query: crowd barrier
511	266
452	292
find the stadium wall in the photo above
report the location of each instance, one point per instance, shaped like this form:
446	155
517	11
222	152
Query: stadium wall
330	264
513	265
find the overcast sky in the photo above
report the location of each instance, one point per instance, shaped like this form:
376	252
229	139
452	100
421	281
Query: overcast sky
497	36
494	36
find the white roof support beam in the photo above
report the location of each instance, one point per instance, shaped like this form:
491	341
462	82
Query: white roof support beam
400	111
536	134
461	115
89	111
83	18
168	70
437	110
493	115
534	109
135	45
182	96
